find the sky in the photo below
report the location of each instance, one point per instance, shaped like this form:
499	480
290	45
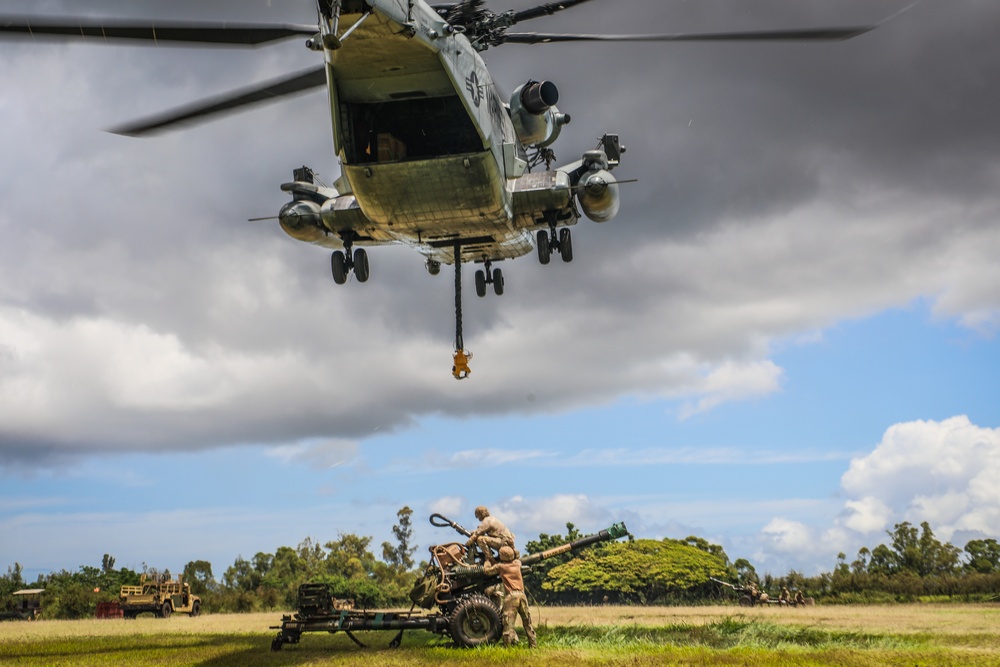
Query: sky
786	342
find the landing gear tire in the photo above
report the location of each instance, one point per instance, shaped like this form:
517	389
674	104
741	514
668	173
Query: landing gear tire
338	263
361	265
481	283
498	282
475	621
566	244
542	243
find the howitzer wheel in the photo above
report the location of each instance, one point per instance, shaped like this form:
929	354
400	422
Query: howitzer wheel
475	621
746	601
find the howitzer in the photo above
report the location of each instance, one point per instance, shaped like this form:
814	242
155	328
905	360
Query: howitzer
453	597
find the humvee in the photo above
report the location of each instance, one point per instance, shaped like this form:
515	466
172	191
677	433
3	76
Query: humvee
162	598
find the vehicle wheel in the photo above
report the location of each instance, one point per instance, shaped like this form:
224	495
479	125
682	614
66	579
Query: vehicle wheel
361	265
542	241
277	643
165	610
195	609
480	283
475	621
339	265
746	601
566	244
498	281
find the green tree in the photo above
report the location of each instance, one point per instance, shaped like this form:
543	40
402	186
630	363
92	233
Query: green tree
241	576
534	579
400	555
349	557
108	564
646	571
745	571
984	556
198	575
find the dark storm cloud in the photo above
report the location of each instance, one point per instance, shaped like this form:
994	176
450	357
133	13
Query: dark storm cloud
781	187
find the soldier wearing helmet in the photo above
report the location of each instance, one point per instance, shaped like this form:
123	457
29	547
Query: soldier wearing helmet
491	533
515	602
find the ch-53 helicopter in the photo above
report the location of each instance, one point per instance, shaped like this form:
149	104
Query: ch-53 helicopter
430	153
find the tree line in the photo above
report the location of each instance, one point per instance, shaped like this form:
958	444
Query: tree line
912	565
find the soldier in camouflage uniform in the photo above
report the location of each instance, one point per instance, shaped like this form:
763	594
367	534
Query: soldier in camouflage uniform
491	533
515	602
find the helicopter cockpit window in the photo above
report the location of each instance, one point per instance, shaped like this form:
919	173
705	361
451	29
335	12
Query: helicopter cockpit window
411	129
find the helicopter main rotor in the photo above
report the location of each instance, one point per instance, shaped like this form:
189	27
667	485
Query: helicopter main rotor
483	27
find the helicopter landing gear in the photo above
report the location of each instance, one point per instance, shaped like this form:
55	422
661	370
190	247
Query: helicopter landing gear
562	243
343	262
488	276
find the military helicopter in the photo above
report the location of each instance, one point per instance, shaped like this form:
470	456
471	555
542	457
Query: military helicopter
431	155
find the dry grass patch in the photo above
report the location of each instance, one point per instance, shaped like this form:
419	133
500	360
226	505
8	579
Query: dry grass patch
956	619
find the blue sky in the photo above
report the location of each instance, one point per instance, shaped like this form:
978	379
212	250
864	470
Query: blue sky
722	474
784	343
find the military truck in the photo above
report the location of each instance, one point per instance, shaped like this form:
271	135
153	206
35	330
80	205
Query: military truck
29	606
162	598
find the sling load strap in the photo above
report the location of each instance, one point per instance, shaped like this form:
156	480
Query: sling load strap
459	343
460	360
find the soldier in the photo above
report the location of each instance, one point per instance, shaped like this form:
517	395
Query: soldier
515	602
491	533
785	596
799	598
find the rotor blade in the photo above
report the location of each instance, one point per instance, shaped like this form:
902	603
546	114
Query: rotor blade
818	34
227	102
235	34
548	9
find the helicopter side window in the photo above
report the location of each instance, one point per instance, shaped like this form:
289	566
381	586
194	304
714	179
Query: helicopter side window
412	129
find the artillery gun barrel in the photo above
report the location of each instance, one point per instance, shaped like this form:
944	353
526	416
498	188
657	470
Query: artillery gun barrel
442	521
614	532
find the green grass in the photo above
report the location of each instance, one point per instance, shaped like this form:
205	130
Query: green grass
728	641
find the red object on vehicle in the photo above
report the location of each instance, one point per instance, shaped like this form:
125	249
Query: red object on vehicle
108	610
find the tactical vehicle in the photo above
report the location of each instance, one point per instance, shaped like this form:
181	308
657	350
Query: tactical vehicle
453	596
162	598
29	606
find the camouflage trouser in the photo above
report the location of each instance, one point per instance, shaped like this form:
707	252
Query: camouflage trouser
486	543
514	603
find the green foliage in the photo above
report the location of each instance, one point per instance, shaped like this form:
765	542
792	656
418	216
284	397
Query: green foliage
646	571
984	556
535	579
400	556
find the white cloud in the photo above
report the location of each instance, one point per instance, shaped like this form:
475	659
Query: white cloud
319	455
550	514
867	515
789	537
943	472
733	381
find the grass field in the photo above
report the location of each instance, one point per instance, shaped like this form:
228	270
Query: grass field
841	635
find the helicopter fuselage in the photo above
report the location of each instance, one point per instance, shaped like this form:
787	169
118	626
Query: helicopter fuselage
428	151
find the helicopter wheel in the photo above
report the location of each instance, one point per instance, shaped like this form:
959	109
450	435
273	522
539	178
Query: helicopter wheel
566	244
480	283
361	265
498	282
542	242
339	265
